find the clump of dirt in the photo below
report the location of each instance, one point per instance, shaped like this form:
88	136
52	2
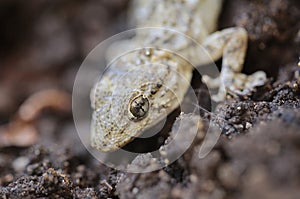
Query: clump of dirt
264	105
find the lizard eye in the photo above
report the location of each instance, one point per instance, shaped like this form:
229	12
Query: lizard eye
139	107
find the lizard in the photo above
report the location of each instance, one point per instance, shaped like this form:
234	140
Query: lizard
142	87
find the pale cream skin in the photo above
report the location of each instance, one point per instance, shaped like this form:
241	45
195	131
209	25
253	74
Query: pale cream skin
141	88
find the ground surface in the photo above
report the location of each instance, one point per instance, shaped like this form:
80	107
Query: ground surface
44	42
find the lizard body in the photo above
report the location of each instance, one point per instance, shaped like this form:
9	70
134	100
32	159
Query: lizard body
141	87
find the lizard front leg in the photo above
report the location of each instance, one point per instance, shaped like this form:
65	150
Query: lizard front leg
231	43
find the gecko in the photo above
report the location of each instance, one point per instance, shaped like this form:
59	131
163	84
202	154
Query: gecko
142	87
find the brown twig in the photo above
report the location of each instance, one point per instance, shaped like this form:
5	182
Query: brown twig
21	131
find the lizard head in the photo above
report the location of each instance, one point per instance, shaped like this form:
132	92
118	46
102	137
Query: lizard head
130	99
124	117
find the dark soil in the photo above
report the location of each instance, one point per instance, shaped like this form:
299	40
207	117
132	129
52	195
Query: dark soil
42	44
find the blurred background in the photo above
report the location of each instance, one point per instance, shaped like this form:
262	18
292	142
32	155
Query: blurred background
43	43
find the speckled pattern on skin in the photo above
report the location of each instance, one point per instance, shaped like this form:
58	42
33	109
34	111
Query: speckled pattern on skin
159	78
